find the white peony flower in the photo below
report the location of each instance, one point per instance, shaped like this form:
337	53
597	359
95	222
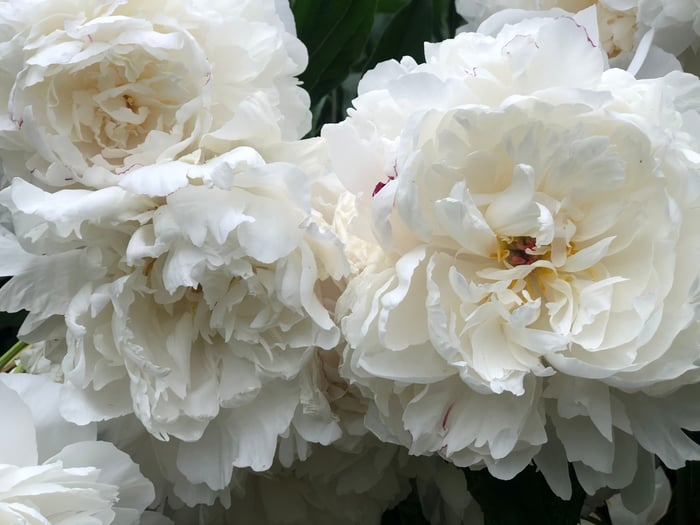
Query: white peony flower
617	19
674	24
538	216
353	480
86	481
327	411
331	486
189	295
336	486
95	89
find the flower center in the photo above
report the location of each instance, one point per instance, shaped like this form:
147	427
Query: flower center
517	251
130	103
617	29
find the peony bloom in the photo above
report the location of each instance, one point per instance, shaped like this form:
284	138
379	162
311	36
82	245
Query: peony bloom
617	19
94	89
335	486
622	23
188	295
331	486
85	481
676	22
353	480
538	216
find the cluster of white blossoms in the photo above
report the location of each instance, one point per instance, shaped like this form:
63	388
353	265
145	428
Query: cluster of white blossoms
160	227
492	262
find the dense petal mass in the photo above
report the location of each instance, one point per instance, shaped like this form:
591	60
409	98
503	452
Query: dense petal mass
354	479
190	292
95	89
672	25
332	486
537	213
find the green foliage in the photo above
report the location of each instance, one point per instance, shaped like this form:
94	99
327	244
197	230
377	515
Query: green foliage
346	38
335	32
390	6
402	32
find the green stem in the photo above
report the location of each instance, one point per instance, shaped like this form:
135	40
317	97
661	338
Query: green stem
8	356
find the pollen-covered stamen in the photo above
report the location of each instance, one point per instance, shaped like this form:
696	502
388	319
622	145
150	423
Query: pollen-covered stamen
130	103
517	251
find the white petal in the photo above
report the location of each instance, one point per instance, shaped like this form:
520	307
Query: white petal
18	447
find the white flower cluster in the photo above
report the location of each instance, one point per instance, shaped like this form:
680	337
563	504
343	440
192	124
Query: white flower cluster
492	262
160	223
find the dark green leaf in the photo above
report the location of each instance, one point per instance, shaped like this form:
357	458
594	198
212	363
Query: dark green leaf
445	20
405	33
333	106
390	6
334	32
